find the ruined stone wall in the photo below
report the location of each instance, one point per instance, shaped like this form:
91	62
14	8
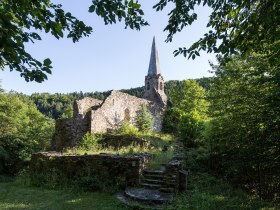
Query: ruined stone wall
81	107
68	132
120	106
109	115
110	168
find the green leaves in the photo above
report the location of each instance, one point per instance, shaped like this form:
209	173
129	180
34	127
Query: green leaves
116	10
23	130
144	119
47	62
187	114
20	20
234	26
245	121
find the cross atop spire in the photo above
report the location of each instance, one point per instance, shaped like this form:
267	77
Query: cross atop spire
154	68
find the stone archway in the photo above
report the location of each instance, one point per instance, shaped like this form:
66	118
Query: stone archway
127	114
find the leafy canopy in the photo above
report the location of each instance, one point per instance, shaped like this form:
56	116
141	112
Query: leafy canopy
244	127
234	26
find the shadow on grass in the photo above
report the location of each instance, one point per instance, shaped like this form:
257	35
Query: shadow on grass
18	197
205	192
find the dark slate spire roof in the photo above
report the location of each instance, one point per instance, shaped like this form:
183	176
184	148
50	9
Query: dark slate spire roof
154	68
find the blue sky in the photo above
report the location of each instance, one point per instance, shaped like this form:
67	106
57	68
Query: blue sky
112	57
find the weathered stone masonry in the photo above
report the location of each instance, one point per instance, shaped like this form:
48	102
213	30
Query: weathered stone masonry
81	107
111	168
116	108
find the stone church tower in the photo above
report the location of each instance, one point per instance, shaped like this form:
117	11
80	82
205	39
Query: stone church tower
154	82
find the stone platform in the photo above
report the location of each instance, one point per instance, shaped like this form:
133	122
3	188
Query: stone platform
145	198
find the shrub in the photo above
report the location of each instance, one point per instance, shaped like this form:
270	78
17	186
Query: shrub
144	119
90	141
127	128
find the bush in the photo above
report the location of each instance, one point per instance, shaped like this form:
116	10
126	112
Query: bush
127	128
144	119
90	141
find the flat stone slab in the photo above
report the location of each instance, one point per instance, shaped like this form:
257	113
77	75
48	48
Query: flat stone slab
138	205
153	171
148	195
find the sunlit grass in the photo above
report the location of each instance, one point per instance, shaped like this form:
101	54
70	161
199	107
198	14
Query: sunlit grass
157	140
129	150
13	206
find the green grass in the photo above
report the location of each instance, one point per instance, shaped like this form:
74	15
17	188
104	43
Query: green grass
158	141
13	196
205	192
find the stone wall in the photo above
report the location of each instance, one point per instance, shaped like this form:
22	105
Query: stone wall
120	106
68	132
109	168
102	117
81	107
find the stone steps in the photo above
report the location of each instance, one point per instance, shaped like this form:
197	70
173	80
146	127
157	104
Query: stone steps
157	187
138	205
153	176
151	186
152	181
153	172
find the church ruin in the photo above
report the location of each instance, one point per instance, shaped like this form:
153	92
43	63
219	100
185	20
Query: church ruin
95	116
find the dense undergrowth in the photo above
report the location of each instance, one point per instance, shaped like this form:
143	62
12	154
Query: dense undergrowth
206	191
155	143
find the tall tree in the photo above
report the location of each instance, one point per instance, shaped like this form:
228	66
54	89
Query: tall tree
188	110
244	132
23	130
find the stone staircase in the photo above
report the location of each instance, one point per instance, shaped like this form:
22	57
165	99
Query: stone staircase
152	179
147	195
155	190
159	180
157	187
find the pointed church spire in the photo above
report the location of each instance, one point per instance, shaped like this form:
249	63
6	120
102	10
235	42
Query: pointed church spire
154	68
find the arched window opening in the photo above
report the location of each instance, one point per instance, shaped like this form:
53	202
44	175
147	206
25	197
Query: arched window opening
127	114
148	86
